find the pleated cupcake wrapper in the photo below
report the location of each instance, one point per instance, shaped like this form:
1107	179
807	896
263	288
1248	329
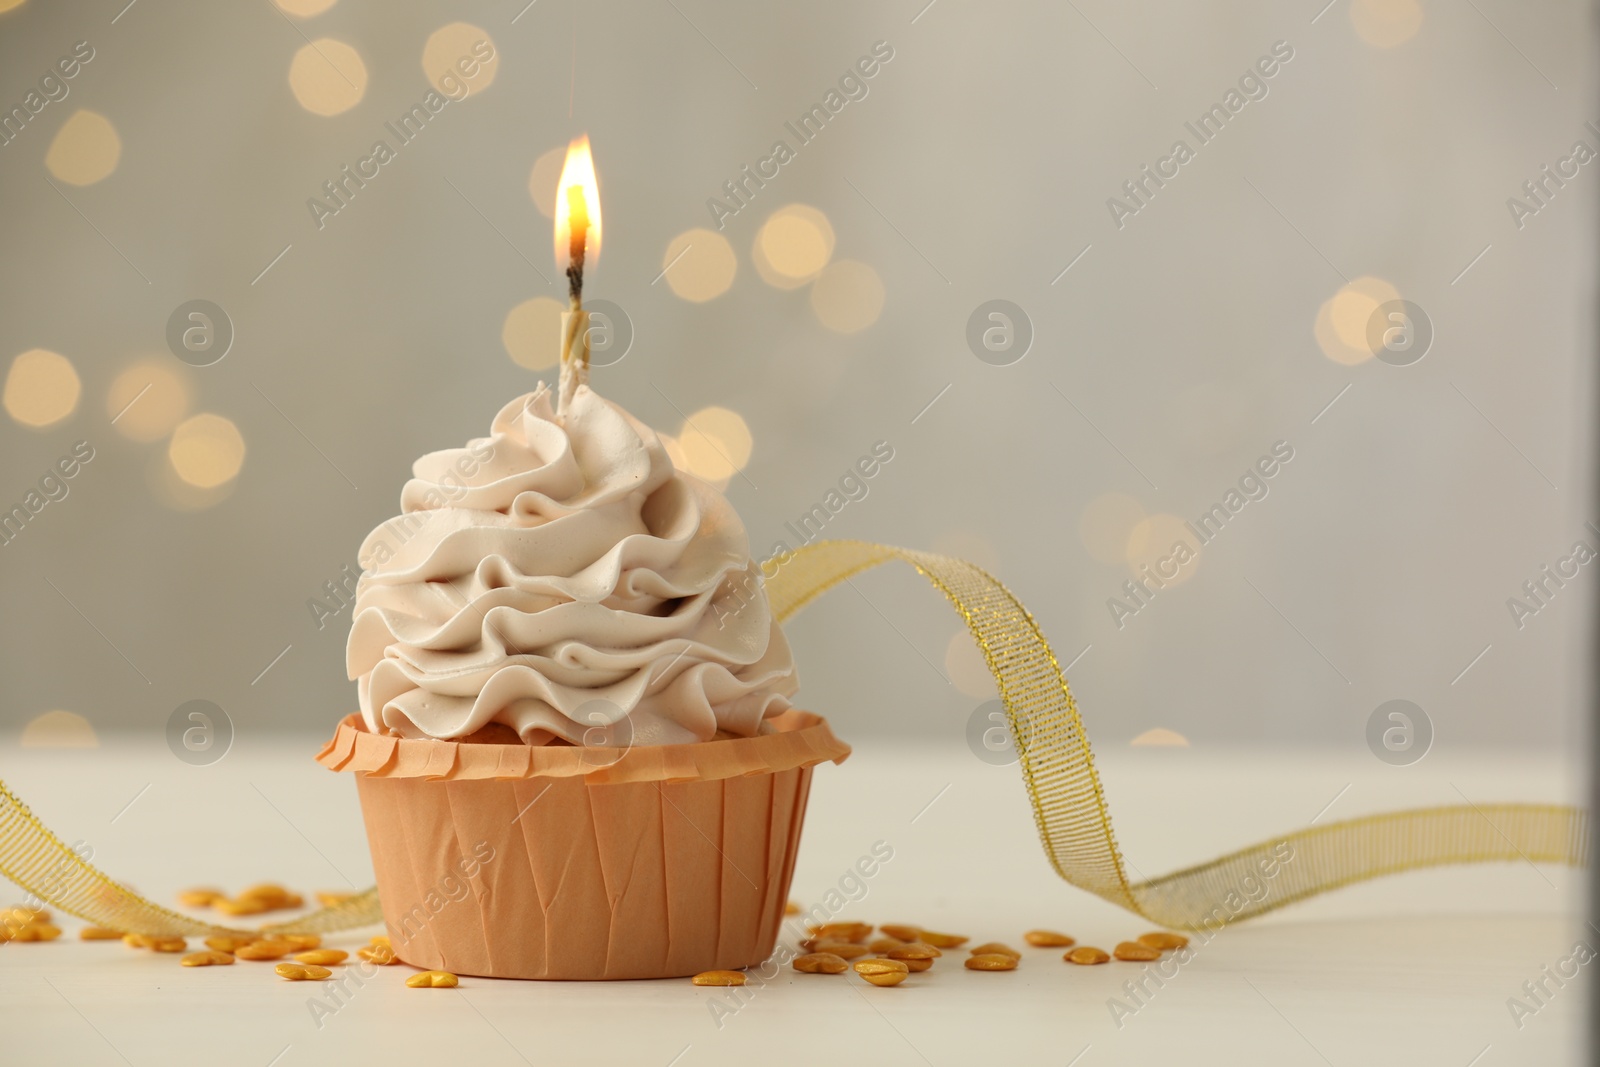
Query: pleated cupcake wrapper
666	862
800	739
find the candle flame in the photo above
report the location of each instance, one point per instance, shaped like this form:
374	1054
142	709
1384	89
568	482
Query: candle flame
577	188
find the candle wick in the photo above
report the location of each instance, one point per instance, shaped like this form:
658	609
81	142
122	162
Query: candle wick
575	282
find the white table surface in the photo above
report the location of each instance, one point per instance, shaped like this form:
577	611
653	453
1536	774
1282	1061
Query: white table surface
1412	969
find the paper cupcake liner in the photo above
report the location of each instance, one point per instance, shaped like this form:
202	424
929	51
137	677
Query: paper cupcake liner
669	861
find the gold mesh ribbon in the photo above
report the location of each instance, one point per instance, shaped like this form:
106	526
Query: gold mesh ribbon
1069	805
1057	770
55	874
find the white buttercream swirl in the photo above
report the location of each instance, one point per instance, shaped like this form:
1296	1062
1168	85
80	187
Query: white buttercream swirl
560	577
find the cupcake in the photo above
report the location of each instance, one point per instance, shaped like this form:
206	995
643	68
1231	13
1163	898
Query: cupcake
576	752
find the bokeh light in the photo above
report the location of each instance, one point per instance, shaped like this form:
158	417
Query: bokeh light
1341	323
59	729
41	388
793	246
544	179
1153	543
7	5
85	149
148	399
532	333
966	668
674	451
970	546
179	495
327	77
700	265
767	274
459	56
847	296
304	9
680	460
1106	524
715	443
1161	737
206	450
1386	23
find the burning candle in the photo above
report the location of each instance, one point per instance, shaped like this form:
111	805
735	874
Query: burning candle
577	234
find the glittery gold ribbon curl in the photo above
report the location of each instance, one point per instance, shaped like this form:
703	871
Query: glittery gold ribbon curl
1058	772
1069	805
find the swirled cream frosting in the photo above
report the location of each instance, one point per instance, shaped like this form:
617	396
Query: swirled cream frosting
560	577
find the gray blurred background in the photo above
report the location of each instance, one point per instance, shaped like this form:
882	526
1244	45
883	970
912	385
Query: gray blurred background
1171	348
